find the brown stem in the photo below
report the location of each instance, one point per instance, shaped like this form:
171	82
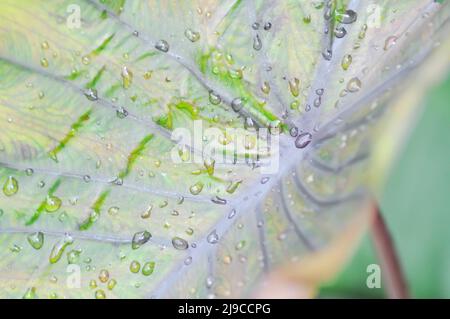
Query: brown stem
396	286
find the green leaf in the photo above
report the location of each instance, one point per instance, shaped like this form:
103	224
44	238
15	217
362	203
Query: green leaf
92	119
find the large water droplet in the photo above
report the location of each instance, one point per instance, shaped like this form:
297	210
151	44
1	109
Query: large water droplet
354	85
214	98
91	94
140	238
346	62
303	140
237	104
52	203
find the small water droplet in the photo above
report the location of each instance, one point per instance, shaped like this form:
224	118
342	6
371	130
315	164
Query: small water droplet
135	266
127	77
52	203
354	85
148	268
29	171
44	62
191	35
257	44
103	275
147	213
213	237
294	87
162	46
340	32
180	243
267	26
36	240
346	62
100	294
91	94
214	98
11	186
196	188
85	60
390	42
237	104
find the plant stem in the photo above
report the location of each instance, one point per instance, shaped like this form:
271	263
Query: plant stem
396	286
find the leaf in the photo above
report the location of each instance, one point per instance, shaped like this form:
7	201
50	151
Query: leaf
93	118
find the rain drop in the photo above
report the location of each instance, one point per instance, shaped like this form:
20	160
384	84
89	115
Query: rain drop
11	186
162	46
179	243
303	140
36	240
140	238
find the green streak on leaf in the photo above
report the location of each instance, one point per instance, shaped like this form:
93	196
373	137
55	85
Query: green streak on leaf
102	46
41	206
145	56
134	155
71	134
96	78
96	207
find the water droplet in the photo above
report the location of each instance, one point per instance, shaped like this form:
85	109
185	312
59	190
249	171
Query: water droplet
85	60
255	26
196	188
135	266
267	26
29	171
148	268
140	238
52	203
162	46
188	261
73	256
237	104
214	98
111	284
113	211
354	85
265	88
103	275
303	140
257	44
191	35
127	77
36	240
147	213
213	237
294	87
340	32
91	94
348	17
390	42
293	131
44	45
100	294
219	200
11	186
179	243
209	164
44	62
30	293
59	247
232	214
233	186
327	54
346	62
121	113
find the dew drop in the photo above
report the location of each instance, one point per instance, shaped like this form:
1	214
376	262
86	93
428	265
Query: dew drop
294	87
103	275
267	26
36	240
340	32
179	243
196	188
59	247
237	104
303	140
147	213
162	46
127	77
232	214
346	62
91	94
100	294
214	98
348	17
354	85
44	62
148	268
257	44
140	238
11	186
191	35
265	88
135	266
213	237
52	203
85	60
390	42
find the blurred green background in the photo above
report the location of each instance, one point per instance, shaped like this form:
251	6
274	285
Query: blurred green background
416	207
